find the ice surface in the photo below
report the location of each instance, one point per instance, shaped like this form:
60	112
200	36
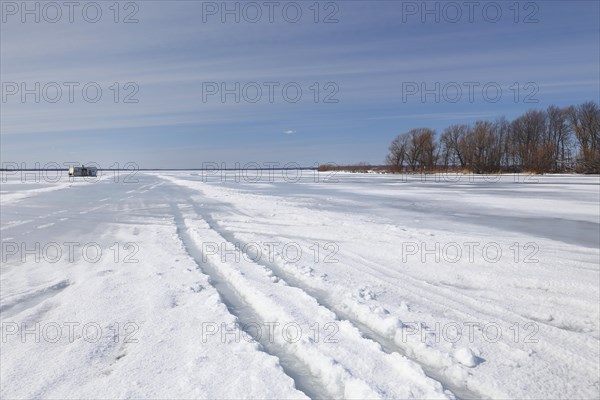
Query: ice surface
401	287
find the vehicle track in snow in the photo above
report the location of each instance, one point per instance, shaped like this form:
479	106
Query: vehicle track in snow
245	286
386	343
24	301
245	314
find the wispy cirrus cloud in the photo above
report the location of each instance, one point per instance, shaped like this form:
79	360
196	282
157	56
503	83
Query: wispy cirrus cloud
170	54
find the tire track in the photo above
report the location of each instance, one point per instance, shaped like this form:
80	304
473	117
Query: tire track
387	344
25	301
355	366
246	315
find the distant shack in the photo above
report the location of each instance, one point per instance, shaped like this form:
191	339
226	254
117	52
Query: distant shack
83	171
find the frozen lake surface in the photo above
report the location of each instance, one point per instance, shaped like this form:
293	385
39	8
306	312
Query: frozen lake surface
298	283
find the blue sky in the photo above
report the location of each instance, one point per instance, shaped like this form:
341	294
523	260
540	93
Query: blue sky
368	61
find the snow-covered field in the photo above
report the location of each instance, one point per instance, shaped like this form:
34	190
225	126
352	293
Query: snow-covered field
184	285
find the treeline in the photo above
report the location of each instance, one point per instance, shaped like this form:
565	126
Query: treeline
552	140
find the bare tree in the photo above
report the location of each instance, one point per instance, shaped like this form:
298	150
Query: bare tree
451	142
421	149
502	133
482	147
559	133
397	155
585	123
527	134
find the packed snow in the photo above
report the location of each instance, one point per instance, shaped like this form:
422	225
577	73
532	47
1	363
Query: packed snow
295	284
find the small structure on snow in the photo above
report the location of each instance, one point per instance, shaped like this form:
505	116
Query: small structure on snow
83	171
